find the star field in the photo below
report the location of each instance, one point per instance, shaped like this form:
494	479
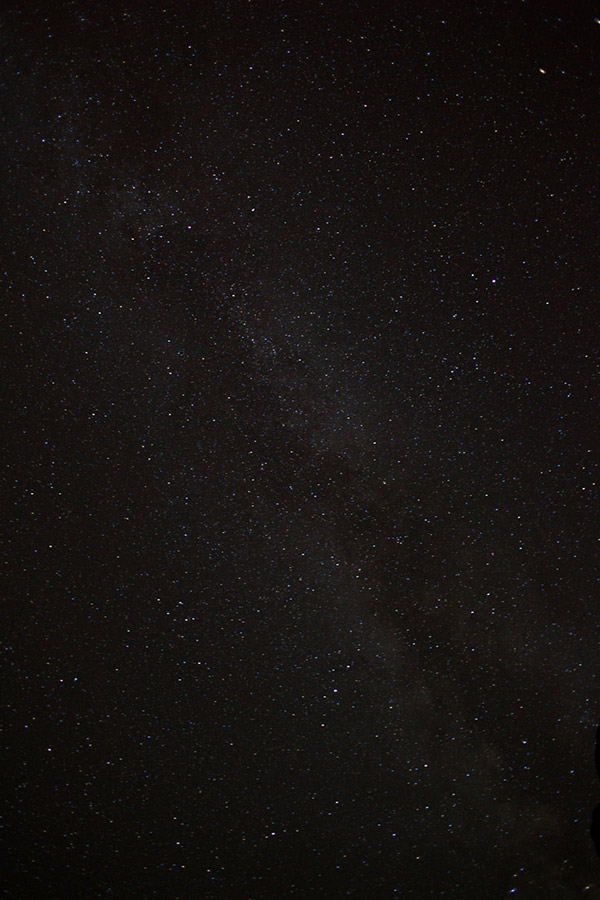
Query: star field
302	468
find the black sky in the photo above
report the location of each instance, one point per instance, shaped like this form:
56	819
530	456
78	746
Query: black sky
302	510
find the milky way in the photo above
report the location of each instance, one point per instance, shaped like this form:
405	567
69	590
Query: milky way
302	482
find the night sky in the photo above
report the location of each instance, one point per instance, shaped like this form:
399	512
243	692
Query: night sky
302	428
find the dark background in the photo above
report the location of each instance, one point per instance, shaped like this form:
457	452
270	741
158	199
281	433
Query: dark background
302	475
